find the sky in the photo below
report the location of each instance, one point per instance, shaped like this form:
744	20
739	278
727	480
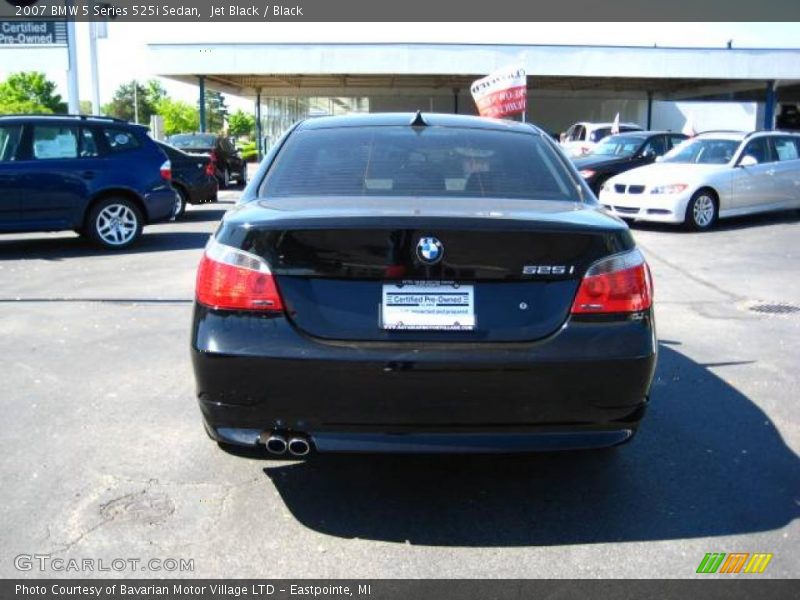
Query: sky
123	55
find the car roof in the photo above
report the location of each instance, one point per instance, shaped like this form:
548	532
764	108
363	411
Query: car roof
594	125
94	119
195	133
647	134
736	136
427	119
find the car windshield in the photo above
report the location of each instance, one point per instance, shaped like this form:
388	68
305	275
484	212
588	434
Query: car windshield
191	141
617	145
412	161
707	151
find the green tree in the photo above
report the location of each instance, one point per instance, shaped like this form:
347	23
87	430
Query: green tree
30	91
155	91
179	117
86	107
241	124
147	95
216	111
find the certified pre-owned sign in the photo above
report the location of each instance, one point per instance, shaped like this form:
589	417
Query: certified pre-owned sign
33	33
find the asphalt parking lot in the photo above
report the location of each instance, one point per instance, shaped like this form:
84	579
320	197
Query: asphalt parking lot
104	455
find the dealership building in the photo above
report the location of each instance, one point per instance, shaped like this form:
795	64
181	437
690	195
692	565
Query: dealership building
656	87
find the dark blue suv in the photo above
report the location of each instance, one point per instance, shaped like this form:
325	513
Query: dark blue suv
103	178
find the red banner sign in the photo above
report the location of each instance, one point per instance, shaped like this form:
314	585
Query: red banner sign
503	93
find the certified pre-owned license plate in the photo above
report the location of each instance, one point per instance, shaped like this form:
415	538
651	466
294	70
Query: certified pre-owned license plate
428	305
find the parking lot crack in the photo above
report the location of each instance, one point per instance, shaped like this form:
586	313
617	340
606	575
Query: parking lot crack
699	280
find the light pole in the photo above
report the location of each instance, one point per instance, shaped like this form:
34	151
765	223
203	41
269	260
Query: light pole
135	101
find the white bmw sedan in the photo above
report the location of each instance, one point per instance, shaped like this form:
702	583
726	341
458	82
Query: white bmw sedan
711	176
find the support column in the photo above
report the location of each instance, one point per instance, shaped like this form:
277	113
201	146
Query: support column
455	101
259	133
649	111
73	96
94	33
201	80
769	106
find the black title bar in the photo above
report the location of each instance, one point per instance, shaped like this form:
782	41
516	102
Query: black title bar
402	11
732	588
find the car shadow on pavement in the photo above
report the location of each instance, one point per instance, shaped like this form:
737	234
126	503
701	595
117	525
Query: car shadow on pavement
201	216
65	247
730	224
706	462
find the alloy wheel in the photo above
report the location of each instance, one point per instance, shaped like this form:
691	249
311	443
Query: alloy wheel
703	211
116	224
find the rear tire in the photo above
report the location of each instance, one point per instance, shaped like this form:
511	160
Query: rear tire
702	211
114	223
180	206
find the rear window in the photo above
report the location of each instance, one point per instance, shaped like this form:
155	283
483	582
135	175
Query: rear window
406	161
192	141
787	148
120	140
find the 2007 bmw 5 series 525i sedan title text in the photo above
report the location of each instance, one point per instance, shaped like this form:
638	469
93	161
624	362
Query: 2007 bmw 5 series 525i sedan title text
421	283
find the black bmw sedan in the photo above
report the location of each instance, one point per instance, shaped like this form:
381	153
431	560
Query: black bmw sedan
192	177
421	283
623	152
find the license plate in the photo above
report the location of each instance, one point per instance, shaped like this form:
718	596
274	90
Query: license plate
428	305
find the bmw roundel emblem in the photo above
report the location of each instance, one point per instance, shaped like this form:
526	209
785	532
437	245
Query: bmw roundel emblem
430	250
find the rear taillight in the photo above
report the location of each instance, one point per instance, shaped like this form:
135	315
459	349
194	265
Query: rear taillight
211	167
233	279
166	171
617	284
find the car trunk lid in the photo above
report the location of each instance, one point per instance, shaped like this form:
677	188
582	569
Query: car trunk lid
520	263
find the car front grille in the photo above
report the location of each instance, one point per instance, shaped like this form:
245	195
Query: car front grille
622	188
626	210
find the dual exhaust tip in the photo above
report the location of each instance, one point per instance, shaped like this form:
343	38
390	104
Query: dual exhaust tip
296	445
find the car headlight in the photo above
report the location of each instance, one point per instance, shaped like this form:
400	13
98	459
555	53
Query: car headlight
586	173
675	188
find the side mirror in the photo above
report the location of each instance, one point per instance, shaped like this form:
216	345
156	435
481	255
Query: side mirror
649	154
748	160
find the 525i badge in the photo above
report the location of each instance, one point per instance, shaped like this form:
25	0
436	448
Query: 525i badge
548	270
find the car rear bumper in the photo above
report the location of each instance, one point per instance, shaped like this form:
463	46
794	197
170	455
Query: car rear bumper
441	443
204	191
160	204
584	386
